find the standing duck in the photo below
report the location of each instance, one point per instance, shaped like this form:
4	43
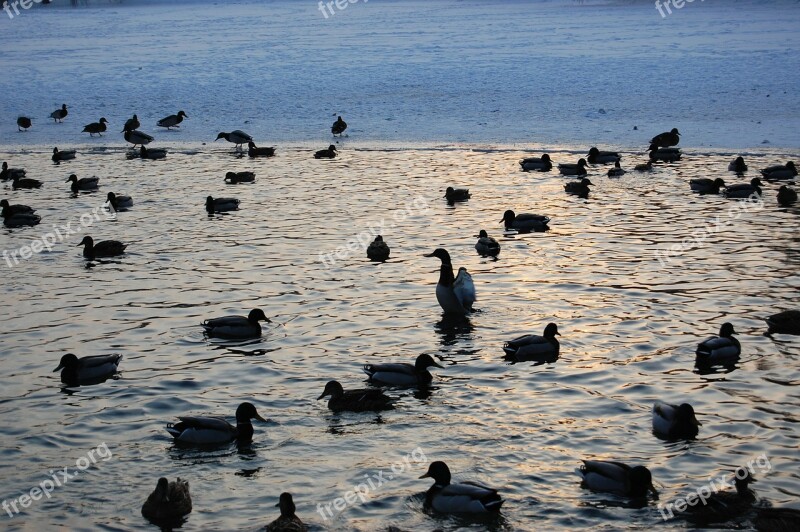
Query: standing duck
59	114
453	195
119	202
288	521
338	127
131	124
221	204
255	151
596	156
137	138
24	182
487	246
723	506
9	173
779	172
239	177
534	348
525	223
84	183
96	127
330	153
402	373
455	294
744	190
617	171
172	120
91	369
719	349
538	164
208	430
378	250
104	248
786	322
236	327
366	400
579	188
616	477
168	503
236	137
664	154
465	497
737	165
152	153
23	123
667	139
65	155
573	169
18	219
706	185
675	422
786	196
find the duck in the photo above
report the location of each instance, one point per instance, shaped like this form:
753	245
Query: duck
644	167
464	497
131	124
675	422
63	155
330	153
487	246
236	327
15	209
24	182
8	173
59	114
664	154
137	138
539	164
786	196
453	195
19	219
95	127
719	349
366	400
666	139
737	165
617	478
172	120
169	502
152	153
779	172
534	348
525	223
786	322
236	137
744	190
378	250
119	202
210	430
596	156
777	519
722	506
617	171
573	169
402	373
104	248
288	521
255	151
580	188
84	183
239	177
456	295
23	123
87	369
221	204
706	185
338	127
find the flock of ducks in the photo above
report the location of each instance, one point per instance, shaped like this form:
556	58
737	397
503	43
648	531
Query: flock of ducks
170	502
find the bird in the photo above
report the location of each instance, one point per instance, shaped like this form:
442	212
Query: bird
402	373
221	204
63	155
23	123
236	137
338	127
330	153
210	430
722	506
539	164
644	167
786	196
119	202
464	497
172	120
18	219
366	400
255	151
617	171
239	177
706	185
777	519
580	188
95	127
744	190
573	169
719	349
378	250
667	139
738	165
15	209
8	173
786	322
534	348
779	172
525	223
596	156
236	327
137	138
84	183
152	153
676	422
59	114
131	124
487	246
456	295
24	182
288	521
664	154
104	248
93	369
456	194
617	478
169	502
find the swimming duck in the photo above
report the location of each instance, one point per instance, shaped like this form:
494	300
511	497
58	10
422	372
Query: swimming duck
664	154
236	327
330	153
95	127
19	219
210	430
722	506
236	137
779	172
580	188
744	190
602	157
239	177
617	478
676	422
84	183
525	223
534	348
539	164
786	196
152	153
465	497
137	138
719	349
76	370
455	295
104	248
737	165
378	250
573	169
59	114
119	202
667	139
172	120
23	122
456	194
221	204
131	124
777	519
255	151
9	173
366	400
169	502
402	373
644	167
63	155
486	245
706	185
617	171
15	209
786	322
338	127
24	182
288	521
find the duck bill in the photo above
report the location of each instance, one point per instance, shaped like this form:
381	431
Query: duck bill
428	255
321	396
258	417
435	365
60	366
653	490
426	475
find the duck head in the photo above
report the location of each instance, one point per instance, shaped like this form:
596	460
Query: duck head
181	113
246	412
726	331
585	182
686	414
742	477
449	191
256	314
483	234
221	136
718	182
508	217
378	238
425	361
442	254
72	178
594	151
675	131
87	241
551	330
286	504
439	472
641	482
67	361
791	165
332	148
545	157
756	182
581	162
161	492
332	388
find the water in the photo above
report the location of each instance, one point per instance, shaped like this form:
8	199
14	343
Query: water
629	327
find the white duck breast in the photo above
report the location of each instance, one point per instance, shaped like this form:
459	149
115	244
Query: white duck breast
464	289
462	498
717	348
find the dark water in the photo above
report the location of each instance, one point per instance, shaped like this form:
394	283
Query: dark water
629	326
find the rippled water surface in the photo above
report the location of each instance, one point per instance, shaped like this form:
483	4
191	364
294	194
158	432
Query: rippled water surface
629	326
